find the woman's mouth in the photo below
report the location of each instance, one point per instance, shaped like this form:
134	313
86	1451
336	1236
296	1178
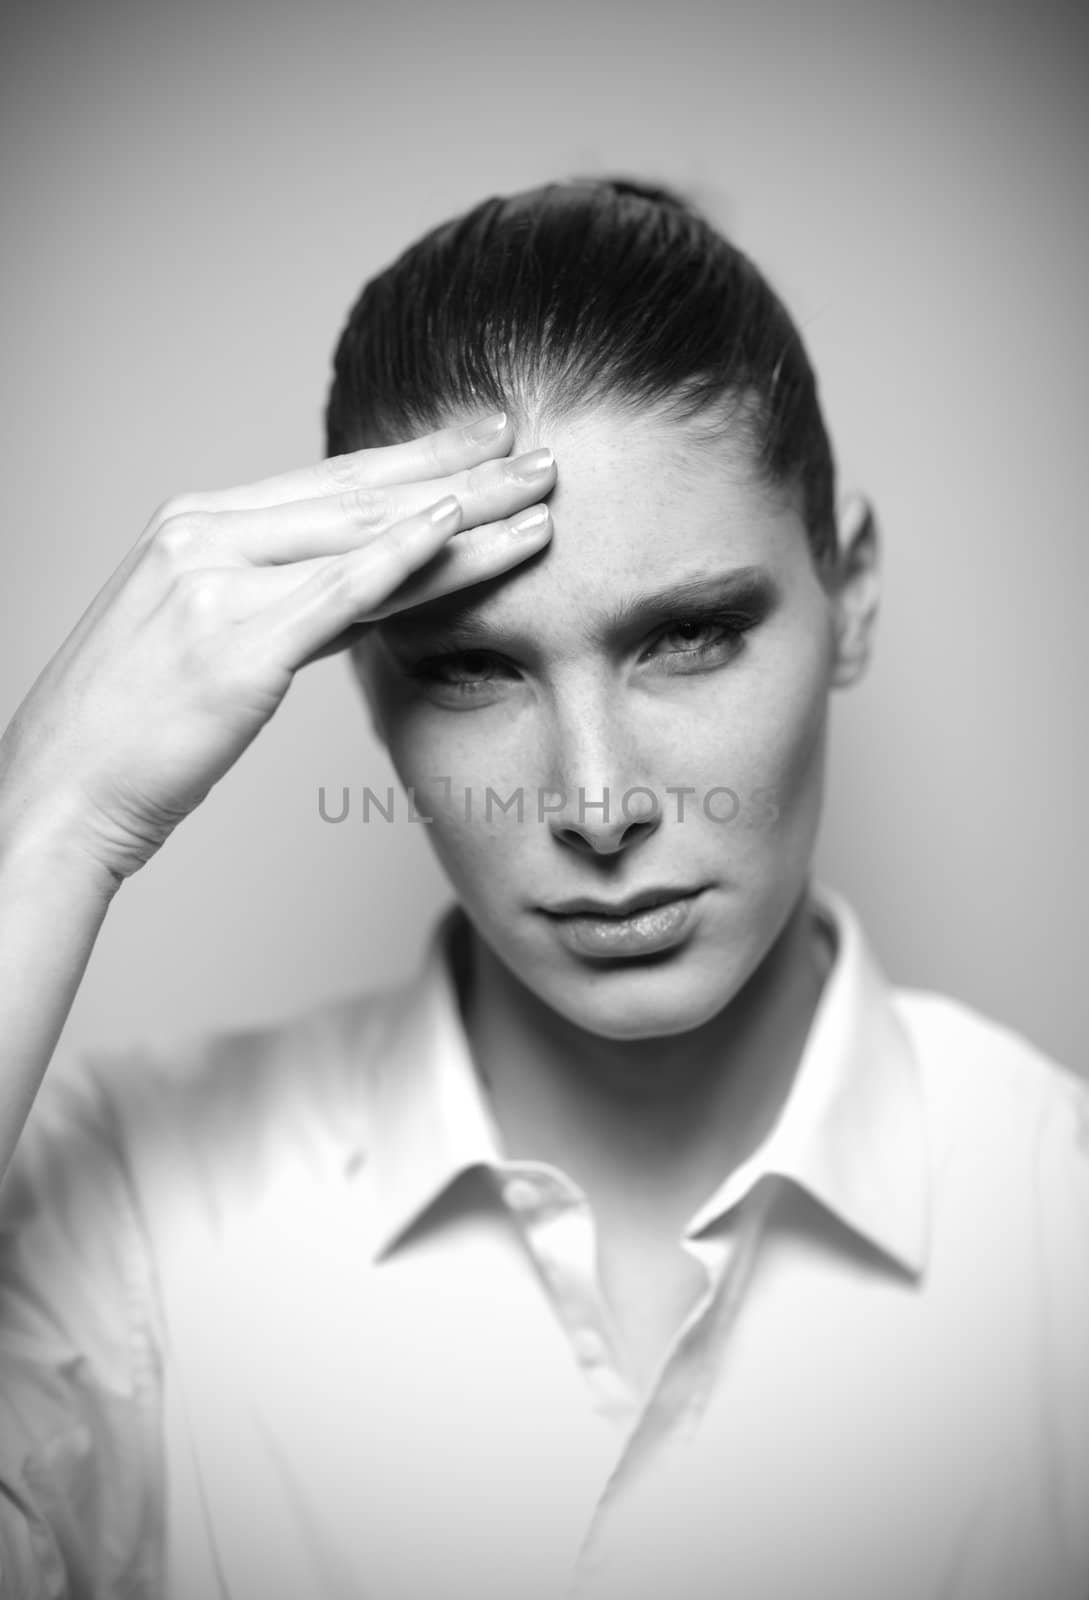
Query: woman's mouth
638	925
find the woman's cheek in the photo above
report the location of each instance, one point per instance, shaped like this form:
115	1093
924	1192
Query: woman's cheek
470	779
483	855
771	755
791	762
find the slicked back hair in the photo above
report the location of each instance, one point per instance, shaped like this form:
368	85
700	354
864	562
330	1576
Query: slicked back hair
593	292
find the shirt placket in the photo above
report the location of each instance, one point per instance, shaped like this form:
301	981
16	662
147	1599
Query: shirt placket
683	1383
554	1217
556	1222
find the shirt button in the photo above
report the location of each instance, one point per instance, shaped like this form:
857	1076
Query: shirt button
521	1194
589	1346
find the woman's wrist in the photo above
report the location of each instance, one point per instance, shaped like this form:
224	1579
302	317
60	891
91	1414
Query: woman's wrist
46	842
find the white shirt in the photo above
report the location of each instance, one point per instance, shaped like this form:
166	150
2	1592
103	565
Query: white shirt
278	1321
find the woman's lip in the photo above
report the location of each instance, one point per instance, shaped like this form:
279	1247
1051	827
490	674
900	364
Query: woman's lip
644	931
648	900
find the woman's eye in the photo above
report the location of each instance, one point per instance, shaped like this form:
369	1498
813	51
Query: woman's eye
697	640
691	635
464	672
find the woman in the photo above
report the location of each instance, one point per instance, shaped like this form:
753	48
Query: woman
647	1238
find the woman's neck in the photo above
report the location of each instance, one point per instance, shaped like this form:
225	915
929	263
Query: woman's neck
663	1118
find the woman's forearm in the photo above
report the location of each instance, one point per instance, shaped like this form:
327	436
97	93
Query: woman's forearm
53	900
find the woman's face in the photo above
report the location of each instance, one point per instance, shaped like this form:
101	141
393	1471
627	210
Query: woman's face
637	712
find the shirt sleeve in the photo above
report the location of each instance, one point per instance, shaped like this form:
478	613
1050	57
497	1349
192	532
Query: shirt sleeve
1062	1204
81	1480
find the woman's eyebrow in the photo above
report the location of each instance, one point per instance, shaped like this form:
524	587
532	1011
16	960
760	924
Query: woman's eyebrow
468	628
752	585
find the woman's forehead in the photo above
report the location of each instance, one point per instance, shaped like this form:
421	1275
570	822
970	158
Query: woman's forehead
634	515
646	439
637	502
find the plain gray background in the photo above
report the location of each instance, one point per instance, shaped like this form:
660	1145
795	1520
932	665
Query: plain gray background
192	194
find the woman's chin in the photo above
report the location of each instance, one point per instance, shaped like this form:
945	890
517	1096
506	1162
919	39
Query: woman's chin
638	1001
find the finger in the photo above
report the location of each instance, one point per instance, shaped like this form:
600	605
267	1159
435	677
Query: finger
433	455
474	556
334	524
444	452
362	586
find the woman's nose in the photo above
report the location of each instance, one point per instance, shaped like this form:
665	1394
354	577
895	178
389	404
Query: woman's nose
601	801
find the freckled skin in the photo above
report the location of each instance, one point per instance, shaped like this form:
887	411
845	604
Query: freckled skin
635	509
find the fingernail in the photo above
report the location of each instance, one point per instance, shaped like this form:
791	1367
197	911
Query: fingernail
444	510
529	521
487	429
534	464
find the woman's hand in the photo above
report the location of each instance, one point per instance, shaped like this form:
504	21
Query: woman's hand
190	647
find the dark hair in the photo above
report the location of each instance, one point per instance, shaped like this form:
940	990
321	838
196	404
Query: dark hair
573	294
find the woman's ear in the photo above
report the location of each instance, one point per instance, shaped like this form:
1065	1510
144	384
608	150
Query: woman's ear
856	590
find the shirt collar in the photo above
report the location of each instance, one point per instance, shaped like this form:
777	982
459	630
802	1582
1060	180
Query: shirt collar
432	1119
851	1132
